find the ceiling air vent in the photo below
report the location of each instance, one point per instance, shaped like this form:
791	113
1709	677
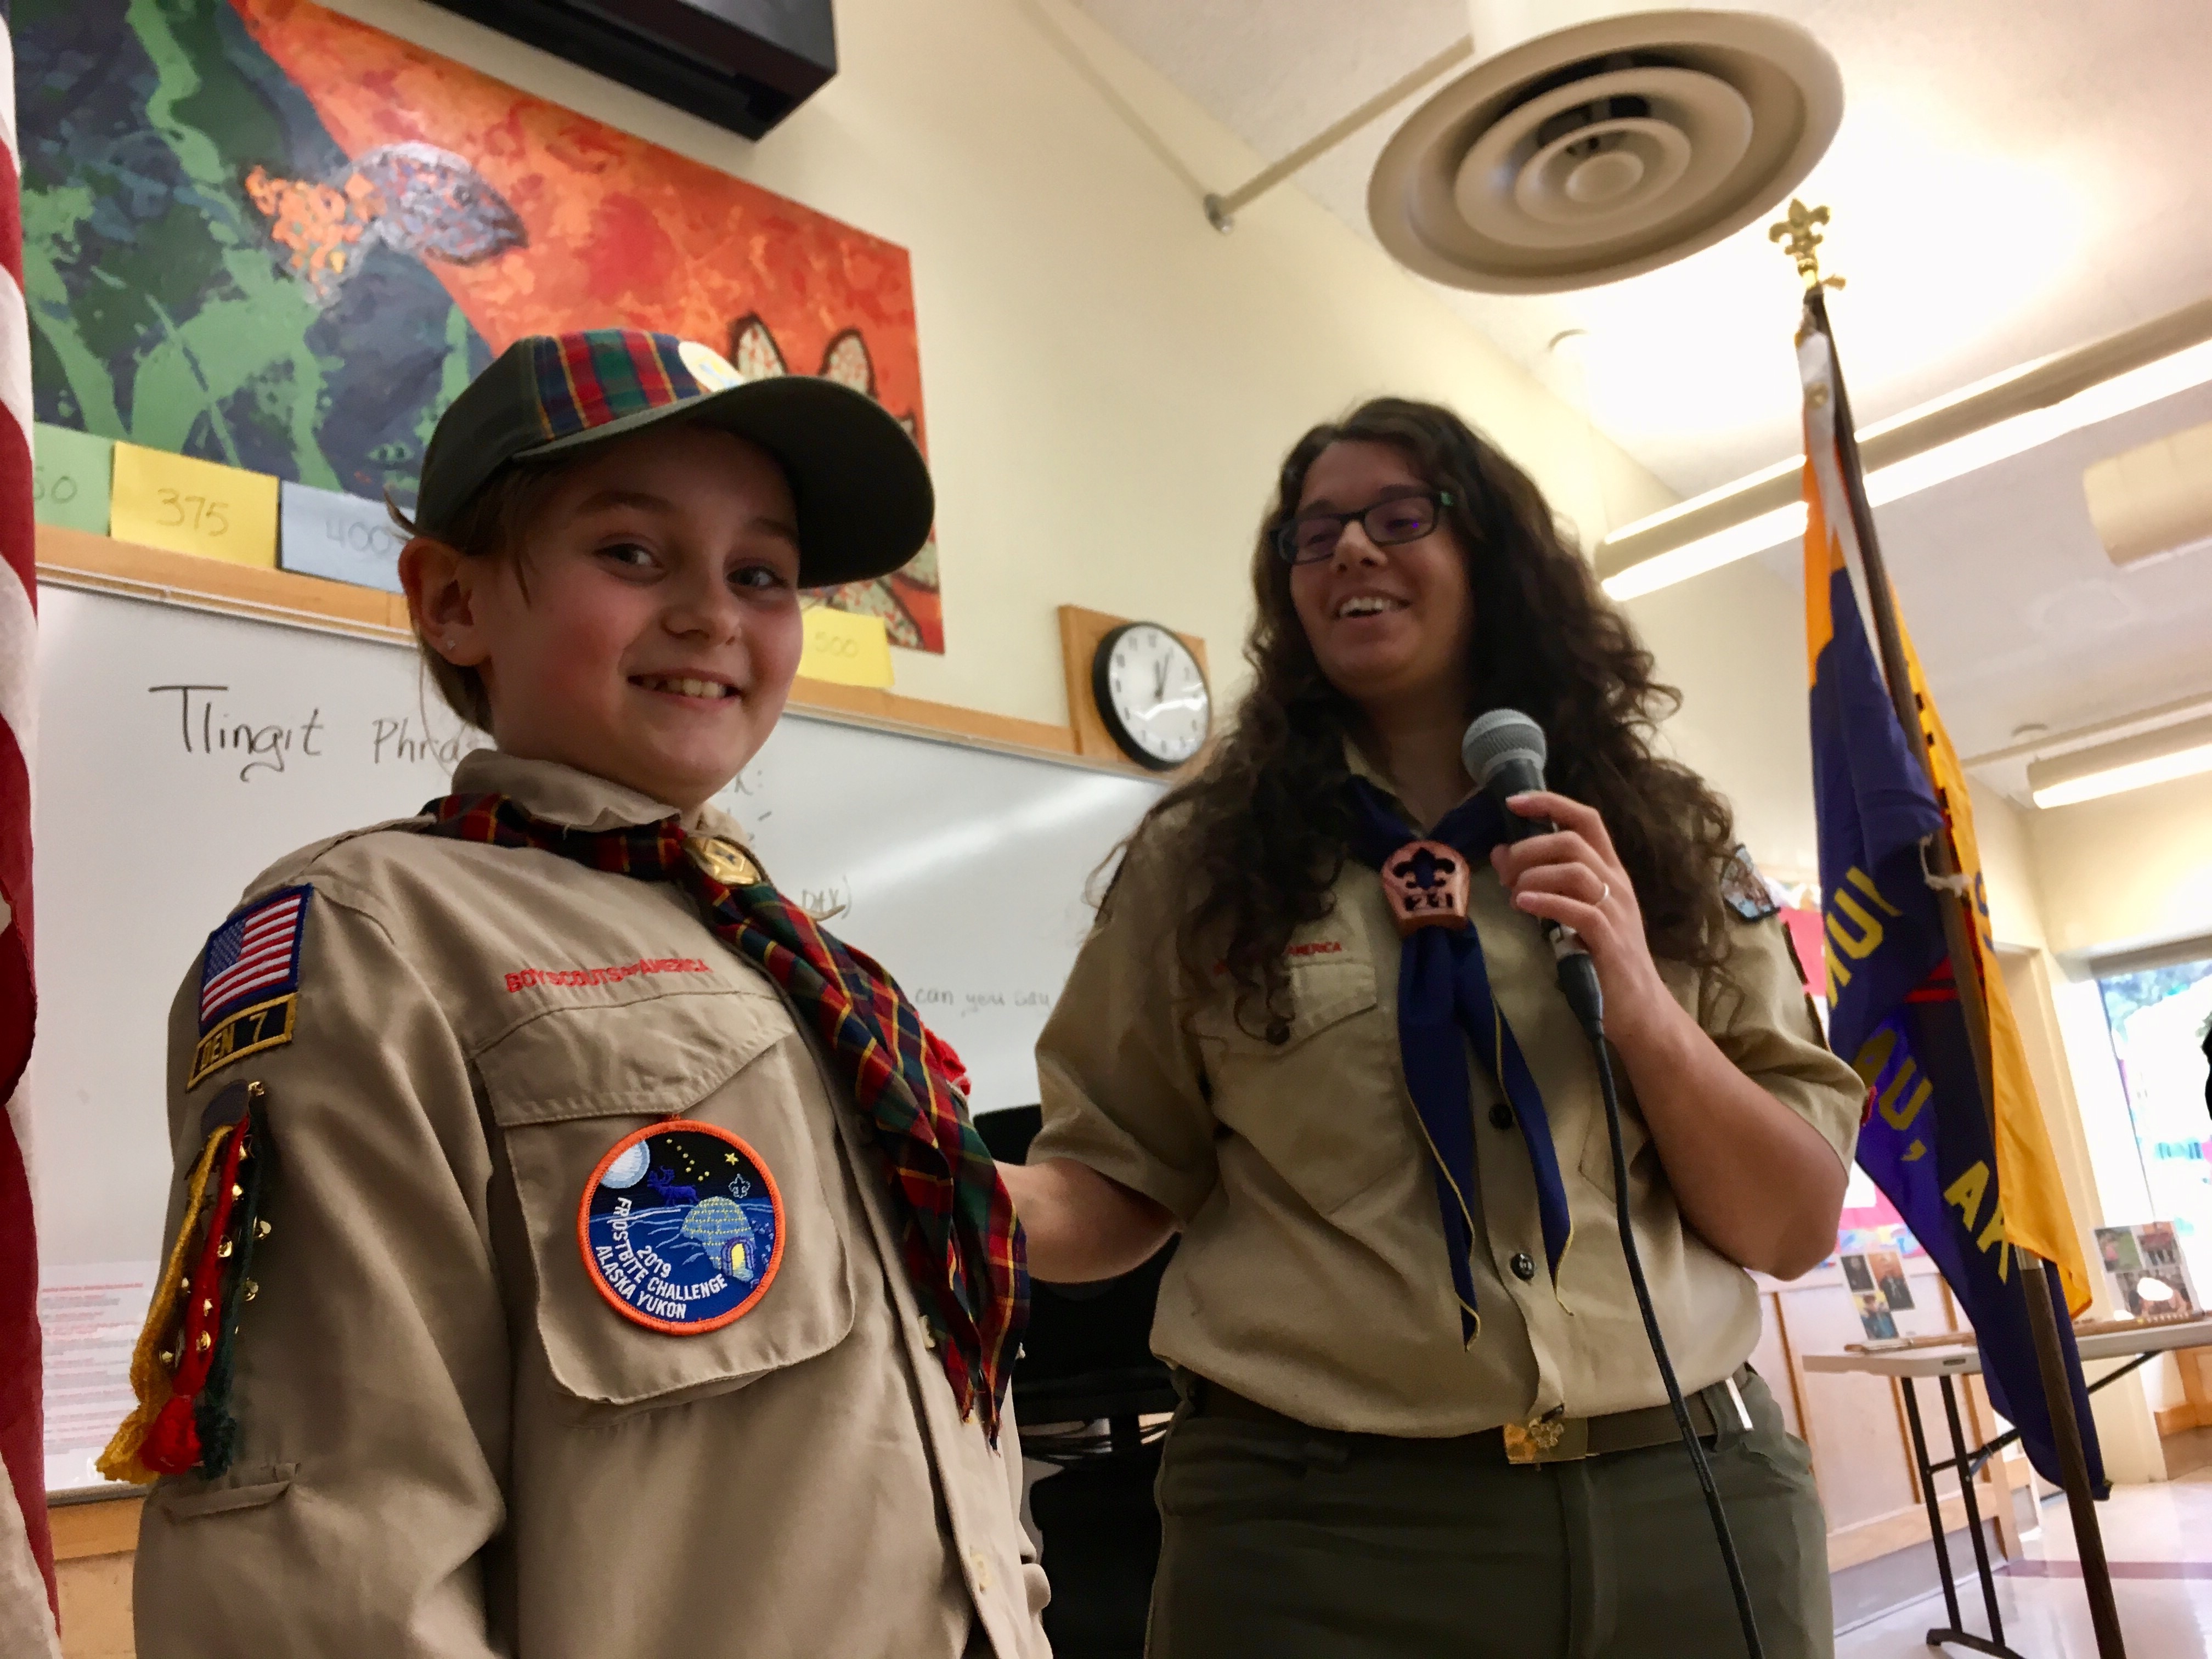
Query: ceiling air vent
2154	501
1603	149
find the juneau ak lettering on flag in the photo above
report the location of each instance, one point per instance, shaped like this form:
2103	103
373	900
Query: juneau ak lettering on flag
1894	1009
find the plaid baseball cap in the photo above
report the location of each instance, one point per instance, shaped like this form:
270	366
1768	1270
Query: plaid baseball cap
862	489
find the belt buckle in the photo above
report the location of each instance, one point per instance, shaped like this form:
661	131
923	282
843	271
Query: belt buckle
1555	1439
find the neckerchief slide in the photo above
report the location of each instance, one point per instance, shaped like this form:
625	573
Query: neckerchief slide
1444	1002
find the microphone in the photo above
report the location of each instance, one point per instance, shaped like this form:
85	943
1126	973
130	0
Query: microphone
1504	752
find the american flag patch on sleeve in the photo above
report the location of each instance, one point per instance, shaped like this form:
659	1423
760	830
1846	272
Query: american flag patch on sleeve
250	981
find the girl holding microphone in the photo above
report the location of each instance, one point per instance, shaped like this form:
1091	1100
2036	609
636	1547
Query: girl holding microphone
1421	1416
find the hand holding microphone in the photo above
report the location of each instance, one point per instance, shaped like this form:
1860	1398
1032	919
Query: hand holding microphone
1561	868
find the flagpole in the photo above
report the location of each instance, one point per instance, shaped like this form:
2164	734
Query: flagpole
1966	972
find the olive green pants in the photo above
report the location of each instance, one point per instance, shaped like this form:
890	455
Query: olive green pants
1303	1544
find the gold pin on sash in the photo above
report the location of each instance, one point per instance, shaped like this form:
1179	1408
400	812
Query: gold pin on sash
726	864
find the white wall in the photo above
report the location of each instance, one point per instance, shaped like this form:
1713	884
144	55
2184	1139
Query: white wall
2065	884
2081	1126
1734	641
1111	383
2062	1026
2127	870
2008	876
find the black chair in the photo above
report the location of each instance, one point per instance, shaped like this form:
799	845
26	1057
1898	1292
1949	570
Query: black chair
1087	1356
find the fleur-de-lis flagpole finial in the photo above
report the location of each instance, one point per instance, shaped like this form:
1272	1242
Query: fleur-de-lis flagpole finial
1802	241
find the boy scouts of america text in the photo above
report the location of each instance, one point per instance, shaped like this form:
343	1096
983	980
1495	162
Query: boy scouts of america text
525	977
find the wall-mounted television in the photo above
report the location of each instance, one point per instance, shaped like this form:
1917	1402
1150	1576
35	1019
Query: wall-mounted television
744	64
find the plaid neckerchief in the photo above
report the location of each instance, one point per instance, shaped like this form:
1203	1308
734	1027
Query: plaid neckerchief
964	1247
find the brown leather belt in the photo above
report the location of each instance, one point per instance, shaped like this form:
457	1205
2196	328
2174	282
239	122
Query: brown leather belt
1544	1440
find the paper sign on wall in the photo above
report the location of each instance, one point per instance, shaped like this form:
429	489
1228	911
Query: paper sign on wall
344	537
846	649
90	1314
68	480
186	505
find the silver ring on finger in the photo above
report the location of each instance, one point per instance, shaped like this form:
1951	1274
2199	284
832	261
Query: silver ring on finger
1606	894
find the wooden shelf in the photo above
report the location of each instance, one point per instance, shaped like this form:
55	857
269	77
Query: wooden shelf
76	558
863	705
105	1525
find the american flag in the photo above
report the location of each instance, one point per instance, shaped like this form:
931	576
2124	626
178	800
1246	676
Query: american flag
256	951
22	1448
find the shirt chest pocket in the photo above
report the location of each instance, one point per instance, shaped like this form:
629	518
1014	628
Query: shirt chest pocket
566	1089
1321	1105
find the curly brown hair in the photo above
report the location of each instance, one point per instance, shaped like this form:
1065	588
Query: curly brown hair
1265	824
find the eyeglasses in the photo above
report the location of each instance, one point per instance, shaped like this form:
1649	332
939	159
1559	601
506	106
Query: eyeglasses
1312	537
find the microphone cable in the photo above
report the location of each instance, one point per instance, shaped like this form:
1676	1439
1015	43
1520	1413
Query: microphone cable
1503	751
1578	982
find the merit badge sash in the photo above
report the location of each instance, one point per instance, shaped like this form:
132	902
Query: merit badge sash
681	1227
250	981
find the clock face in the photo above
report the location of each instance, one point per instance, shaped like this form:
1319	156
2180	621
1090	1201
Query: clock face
1152	693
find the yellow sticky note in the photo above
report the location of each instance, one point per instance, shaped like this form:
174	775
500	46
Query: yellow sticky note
850	649
186	505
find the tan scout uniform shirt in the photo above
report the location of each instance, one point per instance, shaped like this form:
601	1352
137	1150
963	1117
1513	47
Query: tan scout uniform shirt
1311	1276
450	1444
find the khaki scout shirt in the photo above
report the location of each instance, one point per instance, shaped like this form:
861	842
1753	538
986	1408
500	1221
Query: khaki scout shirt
451	1445
1311	1276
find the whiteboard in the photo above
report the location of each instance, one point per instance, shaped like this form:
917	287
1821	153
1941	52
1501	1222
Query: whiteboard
180	752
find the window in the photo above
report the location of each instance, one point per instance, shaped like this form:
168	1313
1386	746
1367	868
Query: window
2158	1018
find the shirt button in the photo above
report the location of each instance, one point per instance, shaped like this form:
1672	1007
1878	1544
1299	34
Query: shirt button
1501	1116
976	1560
1524	1265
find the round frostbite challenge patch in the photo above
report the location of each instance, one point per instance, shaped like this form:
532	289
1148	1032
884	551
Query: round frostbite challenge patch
681	1227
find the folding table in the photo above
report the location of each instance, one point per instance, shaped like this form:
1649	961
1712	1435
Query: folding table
2140	1345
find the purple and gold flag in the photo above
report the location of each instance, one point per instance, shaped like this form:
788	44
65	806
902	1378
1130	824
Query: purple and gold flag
1894	1009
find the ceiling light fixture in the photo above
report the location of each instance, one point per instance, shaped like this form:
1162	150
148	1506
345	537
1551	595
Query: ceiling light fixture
1972	428
2154	500
2178	752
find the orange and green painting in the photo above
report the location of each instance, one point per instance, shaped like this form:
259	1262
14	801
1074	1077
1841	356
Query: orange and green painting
263	233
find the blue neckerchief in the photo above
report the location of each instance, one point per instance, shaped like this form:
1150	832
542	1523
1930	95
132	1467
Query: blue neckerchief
1444	998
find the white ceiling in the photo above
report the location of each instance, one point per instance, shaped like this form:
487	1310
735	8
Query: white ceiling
2017	613
2012	177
